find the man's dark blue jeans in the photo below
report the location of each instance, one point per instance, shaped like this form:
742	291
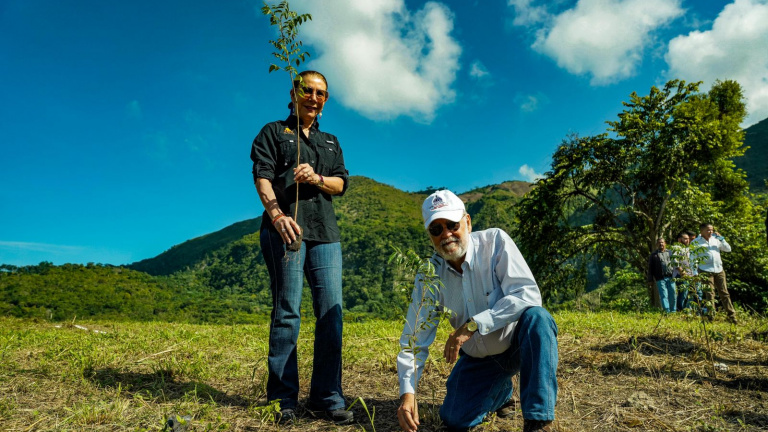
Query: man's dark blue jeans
321	264
478	386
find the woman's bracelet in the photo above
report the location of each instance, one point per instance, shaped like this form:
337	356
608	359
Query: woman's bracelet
320	182
279	215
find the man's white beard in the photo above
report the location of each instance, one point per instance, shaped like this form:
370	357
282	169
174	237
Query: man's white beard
459	249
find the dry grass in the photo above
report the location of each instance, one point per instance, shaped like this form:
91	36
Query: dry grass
617	373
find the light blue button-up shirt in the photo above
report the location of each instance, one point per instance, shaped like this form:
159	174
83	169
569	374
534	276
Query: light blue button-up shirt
496	286
712	262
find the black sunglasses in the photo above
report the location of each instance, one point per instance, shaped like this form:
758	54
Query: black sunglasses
436	229
309	91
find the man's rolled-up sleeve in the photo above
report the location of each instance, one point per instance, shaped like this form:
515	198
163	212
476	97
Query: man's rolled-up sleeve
724	246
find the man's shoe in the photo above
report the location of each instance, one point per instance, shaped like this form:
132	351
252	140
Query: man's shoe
286	416
507	410
339	416
537	426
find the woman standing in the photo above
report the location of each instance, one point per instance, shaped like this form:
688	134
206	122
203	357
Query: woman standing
321	174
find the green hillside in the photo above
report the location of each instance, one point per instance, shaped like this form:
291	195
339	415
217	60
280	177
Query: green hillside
190	252
755	160
367	205
372	217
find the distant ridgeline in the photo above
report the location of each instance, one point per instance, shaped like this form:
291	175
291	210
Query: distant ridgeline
221	277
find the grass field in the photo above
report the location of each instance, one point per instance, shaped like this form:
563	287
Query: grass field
618	372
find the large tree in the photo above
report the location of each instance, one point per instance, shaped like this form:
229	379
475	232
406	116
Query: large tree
664	165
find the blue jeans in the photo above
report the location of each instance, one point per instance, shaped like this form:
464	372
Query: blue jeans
667	294
321	264
478	386
682	295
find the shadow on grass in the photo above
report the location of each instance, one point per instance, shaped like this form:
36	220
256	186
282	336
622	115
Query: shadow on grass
659	345
161	384
652	345
748	418
723	379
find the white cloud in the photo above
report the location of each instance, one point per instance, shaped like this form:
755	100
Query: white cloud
531	102
478	71
604	39
482	80
529	174
526	14
381	59
736	47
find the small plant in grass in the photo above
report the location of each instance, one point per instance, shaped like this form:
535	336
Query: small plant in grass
267	413
370	413
411	267
289	50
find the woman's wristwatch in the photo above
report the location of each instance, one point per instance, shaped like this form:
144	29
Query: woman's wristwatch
321	182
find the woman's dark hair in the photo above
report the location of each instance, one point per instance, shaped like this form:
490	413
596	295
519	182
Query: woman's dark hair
307	74
310	73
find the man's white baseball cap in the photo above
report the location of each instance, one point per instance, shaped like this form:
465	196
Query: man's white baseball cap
442	204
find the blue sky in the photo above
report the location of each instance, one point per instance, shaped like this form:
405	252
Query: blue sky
126	126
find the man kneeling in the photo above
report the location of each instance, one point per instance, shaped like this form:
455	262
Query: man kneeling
500	327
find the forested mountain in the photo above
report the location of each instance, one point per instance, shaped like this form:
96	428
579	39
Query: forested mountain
373	218
755	160
366	203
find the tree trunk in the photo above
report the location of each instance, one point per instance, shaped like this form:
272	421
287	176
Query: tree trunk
653	295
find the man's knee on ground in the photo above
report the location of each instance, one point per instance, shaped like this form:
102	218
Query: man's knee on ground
453	420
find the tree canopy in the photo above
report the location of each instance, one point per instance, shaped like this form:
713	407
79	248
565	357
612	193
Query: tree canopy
665	165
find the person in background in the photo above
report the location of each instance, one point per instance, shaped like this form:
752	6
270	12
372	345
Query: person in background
681	271
660	269
500	328
322	175
711	243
